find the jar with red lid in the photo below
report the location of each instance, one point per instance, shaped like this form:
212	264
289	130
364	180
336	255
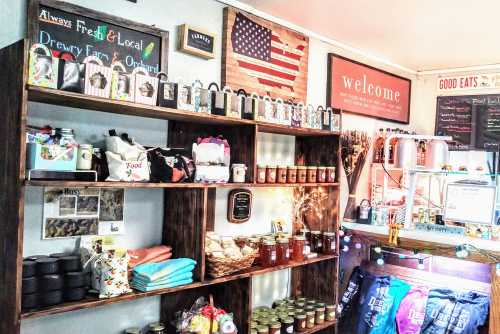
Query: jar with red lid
301	174
321	174
271	174
281	174
291	174
268	253
329	243
261	174
311	174
330	174
299	244
316	241
282	251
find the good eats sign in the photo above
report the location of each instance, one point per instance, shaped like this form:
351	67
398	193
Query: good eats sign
469	82
361	89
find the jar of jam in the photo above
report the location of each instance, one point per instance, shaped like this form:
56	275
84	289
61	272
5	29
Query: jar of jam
316	242
329	243
299	245
287	326
301	174
330	174
261	174
271	174
274	327
320	315
300	323
310	319
268	253
282	251
253	331
281	174
321	174
291	174
262	329
311	174
330	313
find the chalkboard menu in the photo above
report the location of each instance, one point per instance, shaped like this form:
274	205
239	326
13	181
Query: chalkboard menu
239	206
83	32
473	121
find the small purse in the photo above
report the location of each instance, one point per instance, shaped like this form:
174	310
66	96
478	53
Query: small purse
97	77
146	87
43	67
122	84
71	74
167	91
169	165
202	98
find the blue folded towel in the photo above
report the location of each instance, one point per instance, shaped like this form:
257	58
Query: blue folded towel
173	279
170	285
150	272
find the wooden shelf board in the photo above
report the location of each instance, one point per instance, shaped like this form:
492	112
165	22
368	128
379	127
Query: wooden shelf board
92	302
318	328
82	101
106	184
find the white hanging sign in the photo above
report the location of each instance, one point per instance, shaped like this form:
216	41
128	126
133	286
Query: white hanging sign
471	82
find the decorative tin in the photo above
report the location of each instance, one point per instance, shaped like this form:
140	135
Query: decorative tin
167	91
202	98
97	77
218	100
233	103
122	84
248	104
185	99
43	68
146	87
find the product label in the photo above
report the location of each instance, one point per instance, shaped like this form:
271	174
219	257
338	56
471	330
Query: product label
332	245
287	253
273	255
289	329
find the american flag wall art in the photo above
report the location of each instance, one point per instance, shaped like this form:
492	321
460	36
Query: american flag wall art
264	57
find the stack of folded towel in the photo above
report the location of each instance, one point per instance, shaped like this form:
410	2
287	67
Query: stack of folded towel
161	275
146	255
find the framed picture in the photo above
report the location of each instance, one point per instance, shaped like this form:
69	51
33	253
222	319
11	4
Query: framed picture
365	90
196	42
263	57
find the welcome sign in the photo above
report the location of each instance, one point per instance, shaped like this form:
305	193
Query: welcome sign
362	89
66	28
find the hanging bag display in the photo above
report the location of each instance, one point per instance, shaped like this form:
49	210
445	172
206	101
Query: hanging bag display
255	105
287	114
279	111
326	118
335	119
167	91
122	83
97	77
247	104
202	98
146	87
71	74
269	110
185	99
43	67
297	112
234	103
218	100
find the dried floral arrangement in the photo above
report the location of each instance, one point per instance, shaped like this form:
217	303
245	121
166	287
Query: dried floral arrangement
307	202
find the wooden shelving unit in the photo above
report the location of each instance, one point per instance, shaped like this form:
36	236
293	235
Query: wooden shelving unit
189	208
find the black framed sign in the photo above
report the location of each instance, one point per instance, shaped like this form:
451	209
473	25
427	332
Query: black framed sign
196	42
239	206
83	32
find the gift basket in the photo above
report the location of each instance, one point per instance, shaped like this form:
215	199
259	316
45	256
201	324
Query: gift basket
225	257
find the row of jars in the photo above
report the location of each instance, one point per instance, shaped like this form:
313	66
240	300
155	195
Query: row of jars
295	174
320	242
290	316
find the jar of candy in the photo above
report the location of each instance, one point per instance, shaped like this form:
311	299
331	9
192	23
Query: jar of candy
287	326
274	327
330	174
310	319
329	243
300	323
330	313
319	315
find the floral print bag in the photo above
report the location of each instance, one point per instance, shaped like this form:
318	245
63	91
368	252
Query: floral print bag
112	268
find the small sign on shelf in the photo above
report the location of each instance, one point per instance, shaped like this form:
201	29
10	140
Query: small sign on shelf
196	42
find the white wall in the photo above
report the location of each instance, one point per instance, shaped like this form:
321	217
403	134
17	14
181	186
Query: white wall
144	226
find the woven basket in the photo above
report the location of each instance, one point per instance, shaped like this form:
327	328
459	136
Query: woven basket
222	266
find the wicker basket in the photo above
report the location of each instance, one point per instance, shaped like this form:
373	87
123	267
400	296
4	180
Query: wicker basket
222	266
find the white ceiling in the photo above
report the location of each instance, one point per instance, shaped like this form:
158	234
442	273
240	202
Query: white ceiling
417	34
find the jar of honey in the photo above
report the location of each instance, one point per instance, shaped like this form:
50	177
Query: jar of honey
281	174
329	243
268	253
299	244
261	174
271	174
291	174
282	251
321	174
301	174
316	241
300	323
330	174
311	174
310	319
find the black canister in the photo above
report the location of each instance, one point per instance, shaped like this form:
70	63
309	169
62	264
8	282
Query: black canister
29	301
75	279
47	265
29	268
51	298
35	257
72	295
69	263
50	282
30	285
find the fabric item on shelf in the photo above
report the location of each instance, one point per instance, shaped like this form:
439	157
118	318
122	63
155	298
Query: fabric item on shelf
348	304
113	277
151	272
379	300
411	312
454	312
151	254
178	275
169	285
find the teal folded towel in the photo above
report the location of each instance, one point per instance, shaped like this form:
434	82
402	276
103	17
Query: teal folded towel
173	279
151	272
170	285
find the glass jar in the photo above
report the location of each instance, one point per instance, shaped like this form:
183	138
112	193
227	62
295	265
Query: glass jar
321	174
268	253
279	303
282	251
271	174
133	330
300	323
66	136
300	305
329	243
311	302
261	174
330	313
320	315
291	174
264	321
84	158
157	329
253	331
287	326
281	174
310	319
254	323
299	244
330	174
316	242
274	327
301	300
262	329
311	174
301	174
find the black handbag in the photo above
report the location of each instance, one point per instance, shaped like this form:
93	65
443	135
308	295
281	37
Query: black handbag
170	165
167	92
71	75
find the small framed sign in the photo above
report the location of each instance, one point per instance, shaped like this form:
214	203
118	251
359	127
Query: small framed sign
196	42
239	206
